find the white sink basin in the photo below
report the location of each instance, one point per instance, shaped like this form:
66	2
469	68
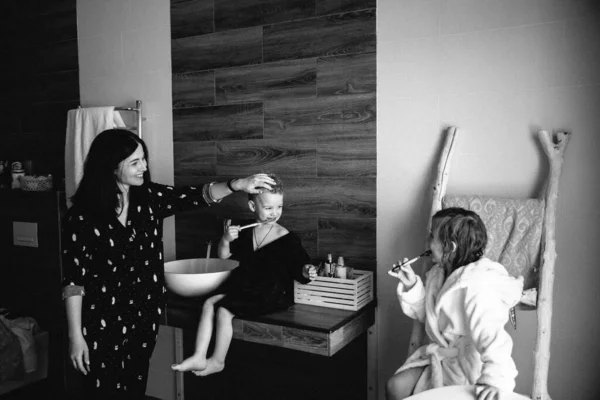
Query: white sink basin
197	276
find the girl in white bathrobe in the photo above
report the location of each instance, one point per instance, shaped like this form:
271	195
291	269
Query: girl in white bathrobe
464	304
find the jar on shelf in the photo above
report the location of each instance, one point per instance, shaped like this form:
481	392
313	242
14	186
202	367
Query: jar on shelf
17	172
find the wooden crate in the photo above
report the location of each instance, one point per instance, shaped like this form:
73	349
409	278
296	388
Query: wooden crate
347	294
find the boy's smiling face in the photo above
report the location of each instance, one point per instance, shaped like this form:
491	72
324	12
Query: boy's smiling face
267	207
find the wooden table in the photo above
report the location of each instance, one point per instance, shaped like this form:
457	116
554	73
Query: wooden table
311	353
312	329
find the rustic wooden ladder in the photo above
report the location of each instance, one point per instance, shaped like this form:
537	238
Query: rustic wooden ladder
540	299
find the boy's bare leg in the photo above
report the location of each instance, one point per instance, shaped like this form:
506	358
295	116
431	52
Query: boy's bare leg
224	333
401	385
197	361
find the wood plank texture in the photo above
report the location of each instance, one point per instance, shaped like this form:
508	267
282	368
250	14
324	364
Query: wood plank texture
352	198
339	115
217	50
54	57
51	119
352	238
305	226
344	335
244	13
284	157
339	6
273	81
281	86
55	87
194	230
191	18
194	160
193	89
347	156
337	34
227	122
342	75
54	26
40	81
306	340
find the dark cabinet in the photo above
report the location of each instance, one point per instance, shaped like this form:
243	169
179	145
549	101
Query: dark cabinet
30	277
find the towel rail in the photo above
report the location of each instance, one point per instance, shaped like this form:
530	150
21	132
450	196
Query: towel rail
137	109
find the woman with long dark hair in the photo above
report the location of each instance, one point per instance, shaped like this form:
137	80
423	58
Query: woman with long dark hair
113	261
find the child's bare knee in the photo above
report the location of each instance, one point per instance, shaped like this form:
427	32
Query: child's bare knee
223	313
208	306
393	388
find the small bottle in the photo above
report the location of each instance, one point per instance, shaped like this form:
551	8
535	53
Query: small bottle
340	269
327	270
17	172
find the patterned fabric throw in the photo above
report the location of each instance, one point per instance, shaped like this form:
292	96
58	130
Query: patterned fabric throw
514	228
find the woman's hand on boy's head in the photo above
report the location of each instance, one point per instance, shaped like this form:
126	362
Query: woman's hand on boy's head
254	184
310	272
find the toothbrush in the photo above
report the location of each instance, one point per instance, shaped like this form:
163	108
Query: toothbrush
400	265
250	225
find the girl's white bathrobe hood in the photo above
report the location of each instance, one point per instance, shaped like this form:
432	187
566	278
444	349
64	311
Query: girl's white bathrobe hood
464	320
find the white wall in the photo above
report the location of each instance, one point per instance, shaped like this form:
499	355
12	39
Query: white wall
125	55
499	70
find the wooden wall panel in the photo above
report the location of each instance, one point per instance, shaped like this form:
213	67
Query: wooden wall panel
228	122
194	160
191	18
193	89
347	156
10	113
325	116
217	50
39	81
283	157
341	6
342	75
194	230
55	57
244	13
49	117
56	25
273	81
56	87
298	100
305	226
352	238
325	36
331	197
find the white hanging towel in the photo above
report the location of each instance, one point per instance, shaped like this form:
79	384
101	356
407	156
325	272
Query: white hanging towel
83	125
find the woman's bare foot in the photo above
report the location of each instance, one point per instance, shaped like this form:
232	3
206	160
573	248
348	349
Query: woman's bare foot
212	367
193	363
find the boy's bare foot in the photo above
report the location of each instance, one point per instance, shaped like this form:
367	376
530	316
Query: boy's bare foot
212	367
193	363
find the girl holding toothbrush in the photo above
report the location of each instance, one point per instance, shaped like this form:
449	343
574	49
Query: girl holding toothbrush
464	304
